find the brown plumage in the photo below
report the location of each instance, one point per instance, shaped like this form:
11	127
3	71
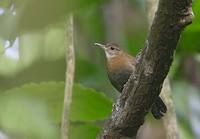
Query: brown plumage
119	68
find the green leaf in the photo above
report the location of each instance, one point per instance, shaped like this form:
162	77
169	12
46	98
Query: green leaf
26	117
83	131
35	110
89	105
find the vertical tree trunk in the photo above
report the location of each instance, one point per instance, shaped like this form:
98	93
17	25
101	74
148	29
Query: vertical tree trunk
70	63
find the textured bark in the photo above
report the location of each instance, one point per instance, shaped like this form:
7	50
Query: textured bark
169	120
70	62
152	66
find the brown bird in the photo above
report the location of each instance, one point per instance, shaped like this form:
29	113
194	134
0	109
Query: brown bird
120	66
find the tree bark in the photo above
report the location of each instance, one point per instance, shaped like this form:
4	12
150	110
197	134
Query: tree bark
152	66
70	62
169	120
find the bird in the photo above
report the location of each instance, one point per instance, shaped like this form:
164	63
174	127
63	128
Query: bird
120	66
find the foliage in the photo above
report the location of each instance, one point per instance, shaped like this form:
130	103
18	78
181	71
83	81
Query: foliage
34	110
35	31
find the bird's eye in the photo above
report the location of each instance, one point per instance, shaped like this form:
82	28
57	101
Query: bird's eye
112	48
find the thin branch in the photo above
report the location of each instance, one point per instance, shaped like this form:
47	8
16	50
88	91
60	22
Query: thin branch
152	66
169	120
70	62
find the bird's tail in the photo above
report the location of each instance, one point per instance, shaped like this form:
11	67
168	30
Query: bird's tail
158	108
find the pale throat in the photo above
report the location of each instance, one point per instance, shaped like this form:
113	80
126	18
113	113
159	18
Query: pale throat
109	55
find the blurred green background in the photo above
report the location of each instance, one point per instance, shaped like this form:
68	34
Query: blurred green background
32	67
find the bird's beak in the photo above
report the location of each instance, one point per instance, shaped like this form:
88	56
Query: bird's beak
100	45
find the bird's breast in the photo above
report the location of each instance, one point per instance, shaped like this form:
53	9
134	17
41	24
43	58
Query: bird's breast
119	71
119	78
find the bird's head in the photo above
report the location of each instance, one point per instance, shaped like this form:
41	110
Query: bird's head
111	50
